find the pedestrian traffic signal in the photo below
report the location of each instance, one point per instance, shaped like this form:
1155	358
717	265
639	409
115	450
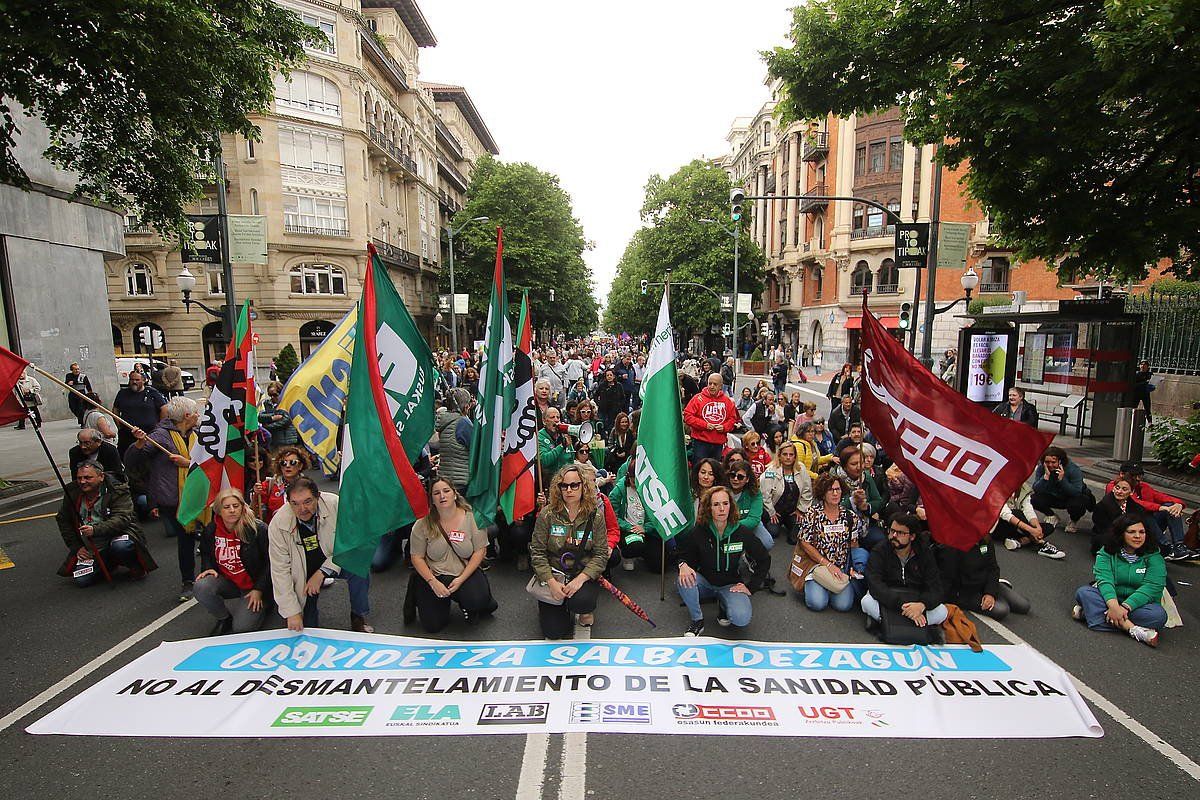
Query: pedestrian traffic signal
645	286
766	329
150	337
736	197
905	316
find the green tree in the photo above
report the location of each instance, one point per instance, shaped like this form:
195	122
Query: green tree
286	363
134	93
1077	117
543	247
675	239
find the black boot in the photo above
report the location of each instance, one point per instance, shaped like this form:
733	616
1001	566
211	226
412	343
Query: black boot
222	627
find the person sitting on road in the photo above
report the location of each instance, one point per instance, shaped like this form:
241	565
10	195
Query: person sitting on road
96	519
971	579
1165	513
568	552
843	416
1058	484
862	495
709	557
235	566
808	451
748	498
706	473
1019	526
710	416
855	436
290	462
1130	577
91	445
1117	502
447	550
453	429
554	446
301	536
786	492
902	576
902	494
635	525
621	443
756	454
824	439
829	537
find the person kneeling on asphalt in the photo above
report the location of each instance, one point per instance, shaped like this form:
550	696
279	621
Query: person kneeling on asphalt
234	566
972	581
902	576
301	538
97	519
447	549
1058	484
709	557
568	551
1130	577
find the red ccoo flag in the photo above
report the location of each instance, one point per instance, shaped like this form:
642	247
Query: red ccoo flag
964	460
11	368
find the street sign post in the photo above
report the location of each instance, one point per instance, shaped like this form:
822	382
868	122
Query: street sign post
954	238
912	245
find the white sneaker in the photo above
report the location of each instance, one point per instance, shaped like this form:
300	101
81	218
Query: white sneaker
1071	527
628	565
1077	613
1012	544
1147	636
1050	551
1052	521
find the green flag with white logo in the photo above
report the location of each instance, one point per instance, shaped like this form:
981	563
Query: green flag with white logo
661	471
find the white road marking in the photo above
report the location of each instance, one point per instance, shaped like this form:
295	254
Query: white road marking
533	767
35	505
1108	707
93	665
574	767
799	387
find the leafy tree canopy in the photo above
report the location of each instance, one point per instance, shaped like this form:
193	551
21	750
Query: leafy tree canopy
134	93
543	246
1078	117
674	238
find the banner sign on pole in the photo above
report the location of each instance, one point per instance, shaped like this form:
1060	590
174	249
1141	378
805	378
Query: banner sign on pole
954	238
912	245
203	243
334	683
247	239
986	367
745	301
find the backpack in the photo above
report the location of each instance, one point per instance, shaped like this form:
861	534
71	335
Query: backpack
959	629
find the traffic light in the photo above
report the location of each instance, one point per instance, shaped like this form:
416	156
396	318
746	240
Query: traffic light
150	337
905	316
645	285
766	329
736	197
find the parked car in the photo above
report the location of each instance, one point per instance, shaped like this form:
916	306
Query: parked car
125	366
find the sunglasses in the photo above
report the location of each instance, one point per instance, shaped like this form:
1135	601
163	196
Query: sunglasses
290	462
738	475
571	484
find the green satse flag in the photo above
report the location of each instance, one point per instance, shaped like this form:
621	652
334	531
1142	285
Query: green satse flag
389	418
661	475
493	402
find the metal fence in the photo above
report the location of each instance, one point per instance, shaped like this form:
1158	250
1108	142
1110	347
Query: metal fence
1170	331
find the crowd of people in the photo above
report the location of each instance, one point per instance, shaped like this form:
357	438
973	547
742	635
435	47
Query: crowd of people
763	467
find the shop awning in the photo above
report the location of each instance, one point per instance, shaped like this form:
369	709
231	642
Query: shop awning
855	323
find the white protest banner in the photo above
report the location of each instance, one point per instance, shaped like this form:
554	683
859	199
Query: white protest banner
335	683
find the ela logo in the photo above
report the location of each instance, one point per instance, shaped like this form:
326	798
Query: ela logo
426	713
324	717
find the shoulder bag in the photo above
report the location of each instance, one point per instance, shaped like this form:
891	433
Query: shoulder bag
541	591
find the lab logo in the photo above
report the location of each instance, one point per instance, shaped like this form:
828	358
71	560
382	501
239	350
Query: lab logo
514	714
322	717
587	712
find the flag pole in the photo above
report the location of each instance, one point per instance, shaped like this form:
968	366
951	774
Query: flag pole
98	405
662	560
37	429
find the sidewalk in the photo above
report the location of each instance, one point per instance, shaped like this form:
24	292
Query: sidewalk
24	463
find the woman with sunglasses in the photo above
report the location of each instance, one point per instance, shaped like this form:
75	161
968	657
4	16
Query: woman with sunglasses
710	556
290	463
748	498
447	549
568	551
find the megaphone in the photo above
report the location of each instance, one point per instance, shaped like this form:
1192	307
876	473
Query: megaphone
583	432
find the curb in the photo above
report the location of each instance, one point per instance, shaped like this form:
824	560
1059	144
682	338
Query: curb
25	498
1105	470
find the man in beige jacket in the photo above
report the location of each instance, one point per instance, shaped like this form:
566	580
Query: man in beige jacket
301	538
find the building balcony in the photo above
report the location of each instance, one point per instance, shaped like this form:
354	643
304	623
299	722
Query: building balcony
390	151
451	173
138	228
448	139
811	202
396	256
994	286
876	232
816	146
383	59
887	288
309	230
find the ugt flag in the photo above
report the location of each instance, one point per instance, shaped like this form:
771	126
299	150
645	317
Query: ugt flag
230	415
517	493
964	460
494	400
661	473
389	418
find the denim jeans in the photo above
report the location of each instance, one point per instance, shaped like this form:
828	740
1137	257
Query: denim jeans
818	598
736	605
185	543
1150	615
1168	529
360	605
705	450
933	616
764	536
117	554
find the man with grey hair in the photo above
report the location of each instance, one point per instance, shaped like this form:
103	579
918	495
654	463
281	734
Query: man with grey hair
91	446
140	405
96	520
165	476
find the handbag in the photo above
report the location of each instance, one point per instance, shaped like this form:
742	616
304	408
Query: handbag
541	591
895	628
822	575
800	567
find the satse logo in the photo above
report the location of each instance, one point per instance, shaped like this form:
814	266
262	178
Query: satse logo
513	713
324	717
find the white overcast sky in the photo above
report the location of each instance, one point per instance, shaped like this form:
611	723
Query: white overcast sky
604	94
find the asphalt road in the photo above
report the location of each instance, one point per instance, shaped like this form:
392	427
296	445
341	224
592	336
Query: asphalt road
49	629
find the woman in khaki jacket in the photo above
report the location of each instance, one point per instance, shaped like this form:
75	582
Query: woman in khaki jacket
301	538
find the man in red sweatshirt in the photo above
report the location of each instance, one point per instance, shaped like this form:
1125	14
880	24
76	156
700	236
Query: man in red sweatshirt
710	416
1165	511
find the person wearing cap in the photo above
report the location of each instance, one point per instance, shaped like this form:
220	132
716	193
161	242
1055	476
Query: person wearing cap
1164	513
454	428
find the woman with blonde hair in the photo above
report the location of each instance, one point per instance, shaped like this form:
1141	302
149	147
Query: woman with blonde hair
568	551
447	549
786	492
234	584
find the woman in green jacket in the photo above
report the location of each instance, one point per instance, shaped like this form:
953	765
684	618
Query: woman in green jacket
1130	576
749	501
635	524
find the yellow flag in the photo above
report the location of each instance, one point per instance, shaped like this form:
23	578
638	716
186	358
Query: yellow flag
315	395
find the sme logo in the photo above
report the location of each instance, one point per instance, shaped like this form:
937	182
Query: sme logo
323	717
588	712
692	711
